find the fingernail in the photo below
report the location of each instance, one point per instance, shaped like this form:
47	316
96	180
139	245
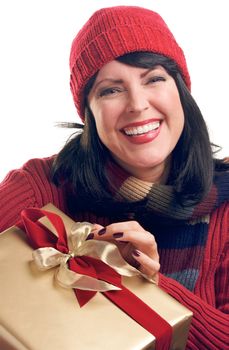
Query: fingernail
90	236
136	264
102	231
136	252
118	234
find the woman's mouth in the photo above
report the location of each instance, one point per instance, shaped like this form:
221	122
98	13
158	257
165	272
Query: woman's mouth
142	129
140	133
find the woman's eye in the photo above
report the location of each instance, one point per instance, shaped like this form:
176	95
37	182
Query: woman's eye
109	91
155	79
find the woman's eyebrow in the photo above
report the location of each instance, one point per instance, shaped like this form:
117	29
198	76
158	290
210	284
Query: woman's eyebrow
111	80
120	81
148	71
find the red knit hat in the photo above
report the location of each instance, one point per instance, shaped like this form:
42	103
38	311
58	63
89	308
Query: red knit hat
115	31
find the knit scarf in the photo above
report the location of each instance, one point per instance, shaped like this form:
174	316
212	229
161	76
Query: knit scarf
180	232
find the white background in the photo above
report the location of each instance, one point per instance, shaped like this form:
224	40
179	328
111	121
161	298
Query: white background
35	41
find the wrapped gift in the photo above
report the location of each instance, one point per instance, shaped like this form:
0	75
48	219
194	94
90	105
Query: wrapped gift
38	313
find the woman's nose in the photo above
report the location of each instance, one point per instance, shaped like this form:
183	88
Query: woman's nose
138	101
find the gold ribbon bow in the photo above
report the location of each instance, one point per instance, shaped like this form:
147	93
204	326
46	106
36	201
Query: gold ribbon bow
48	257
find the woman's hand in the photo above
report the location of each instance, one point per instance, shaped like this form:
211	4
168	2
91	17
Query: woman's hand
137	246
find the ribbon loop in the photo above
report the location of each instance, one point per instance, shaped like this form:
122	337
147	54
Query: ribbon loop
79	233
48	257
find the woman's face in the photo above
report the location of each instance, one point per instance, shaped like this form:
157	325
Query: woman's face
138	116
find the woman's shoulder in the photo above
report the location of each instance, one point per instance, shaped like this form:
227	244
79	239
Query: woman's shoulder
36	172
35	167
39	170
27	186
39	163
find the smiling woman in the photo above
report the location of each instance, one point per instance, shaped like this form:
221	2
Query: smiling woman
141	167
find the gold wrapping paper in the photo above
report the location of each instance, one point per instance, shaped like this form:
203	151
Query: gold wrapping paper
36	313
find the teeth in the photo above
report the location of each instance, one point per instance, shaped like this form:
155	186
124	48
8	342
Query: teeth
139	130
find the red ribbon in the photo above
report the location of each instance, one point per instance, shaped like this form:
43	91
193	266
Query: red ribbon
40	236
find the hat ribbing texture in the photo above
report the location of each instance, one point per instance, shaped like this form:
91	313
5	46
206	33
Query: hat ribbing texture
115	31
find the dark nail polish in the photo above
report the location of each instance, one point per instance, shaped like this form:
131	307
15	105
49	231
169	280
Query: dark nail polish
102	231
118	234
90	236
136	264
136	252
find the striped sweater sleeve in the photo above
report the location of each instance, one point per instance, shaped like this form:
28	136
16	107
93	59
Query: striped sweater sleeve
209	304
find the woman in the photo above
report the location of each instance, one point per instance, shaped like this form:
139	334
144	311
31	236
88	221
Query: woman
142	167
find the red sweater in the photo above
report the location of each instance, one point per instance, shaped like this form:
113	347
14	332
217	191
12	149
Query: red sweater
31	186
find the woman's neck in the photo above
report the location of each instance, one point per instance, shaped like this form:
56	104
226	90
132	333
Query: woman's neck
157	174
